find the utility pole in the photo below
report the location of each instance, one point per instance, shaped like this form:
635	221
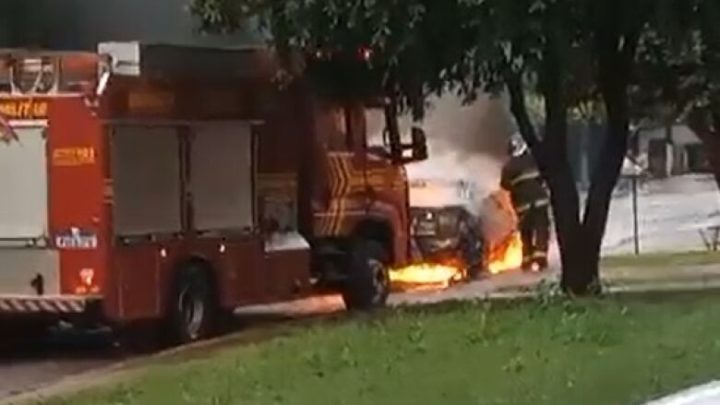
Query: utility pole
635	150
636	225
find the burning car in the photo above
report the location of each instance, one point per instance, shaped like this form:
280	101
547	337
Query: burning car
449	235
447	238
451	242
500	229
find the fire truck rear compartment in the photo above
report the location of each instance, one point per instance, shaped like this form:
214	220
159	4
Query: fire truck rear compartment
29	268
23	181
172	155
28	271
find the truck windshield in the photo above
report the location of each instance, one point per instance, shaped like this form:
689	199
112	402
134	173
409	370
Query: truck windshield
375	122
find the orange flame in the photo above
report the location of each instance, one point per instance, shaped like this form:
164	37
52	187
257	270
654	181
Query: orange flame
507	256
425	275
428	276
503	256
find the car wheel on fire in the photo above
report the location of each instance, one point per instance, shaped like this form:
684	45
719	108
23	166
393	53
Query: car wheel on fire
368	284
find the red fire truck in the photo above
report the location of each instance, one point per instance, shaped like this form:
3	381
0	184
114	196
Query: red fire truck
170	185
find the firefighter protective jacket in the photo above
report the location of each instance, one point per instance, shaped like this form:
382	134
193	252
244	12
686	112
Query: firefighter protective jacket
522	179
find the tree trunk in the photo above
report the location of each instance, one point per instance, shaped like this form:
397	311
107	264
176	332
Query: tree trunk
711	142
615	53
705	128
579	271
580	241
566	212
599	198
712	149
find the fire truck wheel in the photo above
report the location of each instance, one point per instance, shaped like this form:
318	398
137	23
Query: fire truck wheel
192	307
368	285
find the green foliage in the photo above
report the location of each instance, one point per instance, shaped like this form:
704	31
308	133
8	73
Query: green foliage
426	46
422	46
565	352
569	58
678	68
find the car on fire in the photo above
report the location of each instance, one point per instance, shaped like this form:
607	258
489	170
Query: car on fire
449	235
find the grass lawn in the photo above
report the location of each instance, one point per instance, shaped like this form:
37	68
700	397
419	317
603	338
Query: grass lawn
699	258
607	351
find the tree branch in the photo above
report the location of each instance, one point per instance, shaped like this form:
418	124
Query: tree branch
519	110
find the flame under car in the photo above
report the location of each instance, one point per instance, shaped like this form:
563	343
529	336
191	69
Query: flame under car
449	243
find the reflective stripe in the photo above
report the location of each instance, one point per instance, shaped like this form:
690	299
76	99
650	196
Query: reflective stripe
44	305
537	204
525	176
540	255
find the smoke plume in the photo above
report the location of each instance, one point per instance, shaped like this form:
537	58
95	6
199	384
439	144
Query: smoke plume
466	143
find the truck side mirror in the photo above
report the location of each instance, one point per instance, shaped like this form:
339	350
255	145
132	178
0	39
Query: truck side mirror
419	144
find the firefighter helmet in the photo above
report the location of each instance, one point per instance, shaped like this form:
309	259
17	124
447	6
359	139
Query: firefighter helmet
517	146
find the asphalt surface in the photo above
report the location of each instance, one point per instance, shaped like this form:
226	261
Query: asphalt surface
61	354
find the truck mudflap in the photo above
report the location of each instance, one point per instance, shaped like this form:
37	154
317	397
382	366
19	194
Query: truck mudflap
47	305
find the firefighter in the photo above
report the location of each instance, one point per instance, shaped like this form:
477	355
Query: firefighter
522	179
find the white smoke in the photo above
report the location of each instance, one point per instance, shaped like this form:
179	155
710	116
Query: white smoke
466	144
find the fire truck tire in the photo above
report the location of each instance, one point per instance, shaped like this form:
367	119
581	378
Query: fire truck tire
193	308
368	285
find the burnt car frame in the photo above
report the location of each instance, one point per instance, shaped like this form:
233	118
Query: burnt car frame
449	235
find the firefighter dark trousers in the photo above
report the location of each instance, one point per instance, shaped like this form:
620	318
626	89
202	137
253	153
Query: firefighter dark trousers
535	234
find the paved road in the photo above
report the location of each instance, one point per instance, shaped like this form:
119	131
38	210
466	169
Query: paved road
46	362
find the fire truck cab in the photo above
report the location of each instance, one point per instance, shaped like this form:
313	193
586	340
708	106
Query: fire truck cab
166	184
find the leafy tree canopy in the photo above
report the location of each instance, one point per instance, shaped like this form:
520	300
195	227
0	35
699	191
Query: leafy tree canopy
573	54
679	63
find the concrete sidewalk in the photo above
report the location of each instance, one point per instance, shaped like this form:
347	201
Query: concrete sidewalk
516	284
615	280
661	274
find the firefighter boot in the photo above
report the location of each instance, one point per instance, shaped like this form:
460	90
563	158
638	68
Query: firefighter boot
528	265
527	237
541	238
540	262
